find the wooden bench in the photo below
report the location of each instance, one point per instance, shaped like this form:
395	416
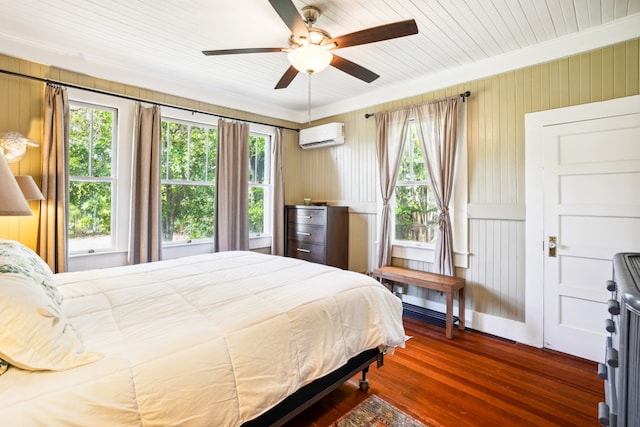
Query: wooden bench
437	282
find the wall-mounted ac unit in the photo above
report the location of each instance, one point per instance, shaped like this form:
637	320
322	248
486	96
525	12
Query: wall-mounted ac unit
322	136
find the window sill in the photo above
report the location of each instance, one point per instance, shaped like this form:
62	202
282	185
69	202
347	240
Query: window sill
259	242
87	261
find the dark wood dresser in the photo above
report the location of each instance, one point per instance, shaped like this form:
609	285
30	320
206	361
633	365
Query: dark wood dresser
318	234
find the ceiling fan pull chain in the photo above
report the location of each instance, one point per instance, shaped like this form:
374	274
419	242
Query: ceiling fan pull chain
309	99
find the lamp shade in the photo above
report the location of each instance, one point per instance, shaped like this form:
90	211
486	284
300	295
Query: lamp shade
28	186
310	58
12	202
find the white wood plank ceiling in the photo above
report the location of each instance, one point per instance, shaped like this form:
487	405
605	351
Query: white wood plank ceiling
157	45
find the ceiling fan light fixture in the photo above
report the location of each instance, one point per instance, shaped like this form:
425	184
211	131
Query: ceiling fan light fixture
310	58
318	36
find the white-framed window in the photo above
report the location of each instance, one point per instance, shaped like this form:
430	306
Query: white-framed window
99	216
92	142
188	180
100	129
415	219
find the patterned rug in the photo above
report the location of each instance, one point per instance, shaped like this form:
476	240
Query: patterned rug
375	412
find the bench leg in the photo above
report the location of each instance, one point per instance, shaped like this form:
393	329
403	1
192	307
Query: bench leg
449	326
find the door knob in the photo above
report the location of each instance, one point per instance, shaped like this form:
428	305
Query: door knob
552	246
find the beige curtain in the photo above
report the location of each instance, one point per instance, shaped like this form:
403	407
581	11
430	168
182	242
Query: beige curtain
145	234
232	187
277	180
52	232
391	132
437	126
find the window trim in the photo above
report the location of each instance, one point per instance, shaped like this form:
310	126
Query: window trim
112	179
121	165
268	187
189	182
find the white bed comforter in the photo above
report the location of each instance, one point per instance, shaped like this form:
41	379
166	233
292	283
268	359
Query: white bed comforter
210	340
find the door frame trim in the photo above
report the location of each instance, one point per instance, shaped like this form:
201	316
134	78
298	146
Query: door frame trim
533	331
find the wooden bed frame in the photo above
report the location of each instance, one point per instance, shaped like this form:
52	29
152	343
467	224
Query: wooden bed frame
311	393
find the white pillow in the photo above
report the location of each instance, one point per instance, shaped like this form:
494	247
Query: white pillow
34	335
19	259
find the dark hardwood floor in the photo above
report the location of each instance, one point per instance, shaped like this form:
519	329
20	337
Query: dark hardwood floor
473	380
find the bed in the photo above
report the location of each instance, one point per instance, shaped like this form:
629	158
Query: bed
227	339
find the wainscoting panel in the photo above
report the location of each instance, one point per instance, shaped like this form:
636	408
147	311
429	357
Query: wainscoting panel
362	230
495	277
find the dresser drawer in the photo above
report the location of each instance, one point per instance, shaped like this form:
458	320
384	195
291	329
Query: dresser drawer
307	216
305	233
306	251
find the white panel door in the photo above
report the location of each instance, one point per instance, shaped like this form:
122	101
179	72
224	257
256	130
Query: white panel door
592	209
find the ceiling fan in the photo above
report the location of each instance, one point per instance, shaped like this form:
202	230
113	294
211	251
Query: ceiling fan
310	47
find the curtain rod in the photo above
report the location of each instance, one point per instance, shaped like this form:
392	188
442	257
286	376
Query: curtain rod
463	95
132	98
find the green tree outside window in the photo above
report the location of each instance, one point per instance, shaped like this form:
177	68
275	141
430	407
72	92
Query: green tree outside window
188	180
416	213
91	142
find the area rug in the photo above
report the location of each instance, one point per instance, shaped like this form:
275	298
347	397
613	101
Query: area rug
375	412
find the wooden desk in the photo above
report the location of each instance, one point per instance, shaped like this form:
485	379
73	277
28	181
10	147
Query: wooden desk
437	282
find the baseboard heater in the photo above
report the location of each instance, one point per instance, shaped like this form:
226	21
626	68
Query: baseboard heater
426	315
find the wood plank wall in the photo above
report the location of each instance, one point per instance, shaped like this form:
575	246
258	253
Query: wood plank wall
22	109
495	126
347	174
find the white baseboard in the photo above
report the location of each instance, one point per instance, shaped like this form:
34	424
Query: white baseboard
494	325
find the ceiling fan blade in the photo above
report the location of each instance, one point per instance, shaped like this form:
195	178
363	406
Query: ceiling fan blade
287	78
290	15
353	69
247	50
376	34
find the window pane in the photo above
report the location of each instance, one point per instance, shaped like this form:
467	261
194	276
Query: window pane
412	167
256	210
175	151
187	212
165	150
405	173
198	154
102	135
90	141
79	141
418	165
89	215
257	148
416	214
212	154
